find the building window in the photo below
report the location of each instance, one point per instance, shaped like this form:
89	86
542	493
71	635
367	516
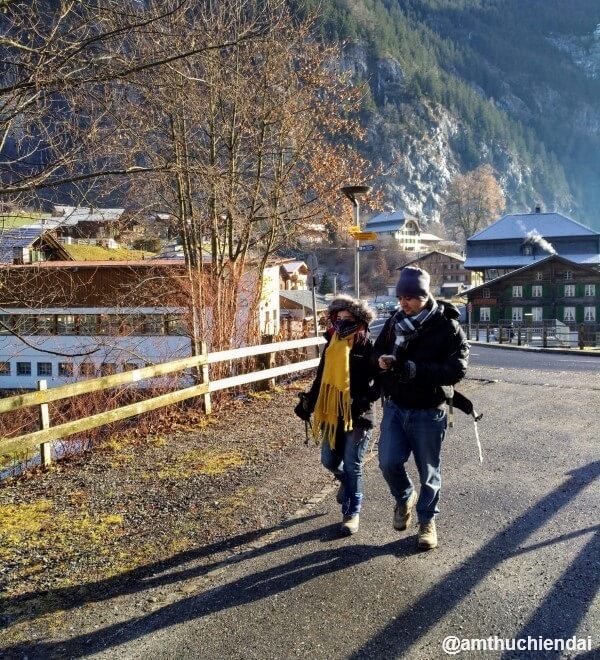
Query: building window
539	275
590	289
44	368
484	314
527	250
537	315
23	368
517	313
65	324
589	314
568	274
65	369
569	314
87	369
517	291
108	369
4	368
485	293
569	290
536	291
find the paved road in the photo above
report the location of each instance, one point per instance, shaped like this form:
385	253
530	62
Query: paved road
519	554
514	359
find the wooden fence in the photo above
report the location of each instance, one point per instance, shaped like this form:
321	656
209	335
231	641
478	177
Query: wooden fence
47	433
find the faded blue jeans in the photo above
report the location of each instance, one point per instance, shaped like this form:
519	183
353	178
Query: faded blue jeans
420	432
346	462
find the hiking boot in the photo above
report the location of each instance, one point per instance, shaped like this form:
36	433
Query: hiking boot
427	539
339	496
350	525
403	512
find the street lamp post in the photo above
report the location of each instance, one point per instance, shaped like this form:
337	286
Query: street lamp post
352	192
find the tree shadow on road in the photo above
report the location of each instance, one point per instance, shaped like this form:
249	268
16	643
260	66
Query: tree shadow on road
395	639
399	635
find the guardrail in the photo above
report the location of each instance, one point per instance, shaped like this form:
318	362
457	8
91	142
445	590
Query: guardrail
47	433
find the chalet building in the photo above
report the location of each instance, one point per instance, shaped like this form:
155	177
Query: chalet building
553	288
64	321
293	276
520	239
101	224
448	275
30	244
404	229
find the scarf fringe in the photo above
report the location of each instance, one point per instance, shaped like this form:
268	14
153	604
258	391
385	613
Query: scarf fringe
325	424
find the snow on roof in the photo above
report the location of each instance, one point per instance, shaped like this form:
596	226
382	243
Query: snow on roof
523	260
292	266
71	215
518	225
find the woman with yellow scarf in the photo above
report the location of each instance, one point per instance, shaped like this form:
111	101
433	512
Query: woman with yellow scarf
341	402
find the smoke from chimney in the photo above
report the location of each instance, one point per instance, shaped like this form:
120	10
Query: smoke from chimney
535	238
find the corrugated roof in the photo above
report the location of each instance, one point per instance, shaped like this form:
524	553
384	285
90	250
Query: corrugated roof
518	225
387	216
71	215
144	263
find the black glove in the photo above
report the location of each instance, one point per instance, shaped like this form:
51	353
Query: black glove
302	408
405	370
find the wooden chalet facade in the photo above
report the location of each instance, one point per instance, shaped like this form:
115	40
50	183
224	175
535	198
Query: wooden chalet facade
552	288
448	274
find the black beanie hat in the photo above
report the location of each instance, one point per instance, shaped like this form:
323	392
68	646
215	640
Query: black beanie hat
413	282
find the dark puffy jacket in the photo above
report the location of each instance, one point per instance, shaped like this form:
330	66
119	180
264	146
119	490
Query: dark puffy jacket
364	384
440	352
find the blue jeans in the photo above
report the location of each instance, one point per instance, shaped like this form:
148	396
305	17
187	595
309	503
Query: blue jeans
421	432
346	462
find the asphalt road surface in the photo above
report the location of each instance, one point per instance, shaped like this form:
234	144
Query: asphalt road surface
519	555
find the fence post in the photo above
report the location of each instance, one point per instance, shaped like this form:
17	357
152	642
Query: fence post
206	402
44	423
581	337
487	333
545	337
518	335
266	361
499	333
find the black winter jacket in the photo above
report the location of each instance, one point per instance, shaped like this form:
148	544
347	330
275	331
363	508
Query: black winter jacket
440	352
364	383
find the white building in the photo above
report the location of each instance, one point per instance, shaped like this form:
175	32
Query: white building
404	229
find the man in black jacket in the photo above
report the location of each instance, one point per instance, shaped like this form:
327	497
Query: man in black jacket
420	350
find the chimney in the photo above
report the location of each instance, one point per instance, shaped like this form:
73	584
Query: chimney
538	208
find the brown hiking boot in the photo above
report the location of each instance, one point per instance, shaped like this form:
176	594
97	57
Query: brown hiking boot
403	512
427	539
350	525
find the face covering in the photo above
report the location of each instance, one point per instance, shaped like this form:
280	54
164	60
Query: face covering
345	327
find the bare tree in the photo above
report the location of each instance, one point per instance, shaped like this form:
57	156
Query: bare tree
473	201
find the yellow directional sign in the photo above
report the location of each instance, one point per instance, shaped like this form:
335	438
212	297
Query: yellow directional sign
364	235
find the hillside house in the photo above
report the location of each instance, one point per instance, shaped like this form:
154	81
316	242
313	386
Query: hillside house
100	224
30	244
293	276
404	229
448	275
553	288
520	239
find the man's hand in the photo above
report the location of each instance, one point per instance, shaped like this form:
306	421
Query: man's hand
386	361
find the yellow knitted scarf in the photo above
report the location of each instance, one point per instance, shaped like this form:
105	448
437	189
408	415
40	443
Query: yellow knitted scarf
333	401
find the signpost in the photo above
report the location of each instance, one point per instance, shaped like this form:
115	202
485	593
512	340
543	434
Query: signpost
364	235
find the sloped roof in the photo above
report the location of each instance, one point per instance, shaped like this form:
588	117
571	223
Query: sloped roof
389	221
518	225
304	298
291	266
71	215
516	261
536	265
23	237
424	255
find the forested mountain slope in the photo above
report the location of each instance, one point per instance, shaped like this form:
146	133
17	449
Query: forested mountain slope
456	83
